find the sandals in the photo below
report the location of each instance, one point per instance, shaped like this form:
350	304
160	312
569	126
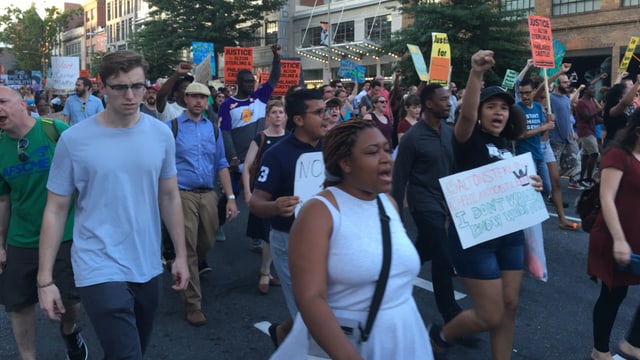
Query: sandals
267	280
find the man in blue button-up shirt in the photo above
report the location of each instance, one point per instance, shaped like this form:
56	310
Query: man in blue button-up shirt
199	156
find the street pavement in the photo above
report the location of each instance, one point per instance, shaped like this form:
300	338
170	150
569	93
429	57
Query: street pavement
553	322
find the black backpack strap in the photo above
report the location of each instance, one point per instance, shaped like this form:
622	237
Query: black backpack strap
381	285
174	127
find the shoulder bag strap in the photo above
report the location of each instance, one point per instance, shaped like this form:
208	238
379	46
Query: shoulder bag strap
384	272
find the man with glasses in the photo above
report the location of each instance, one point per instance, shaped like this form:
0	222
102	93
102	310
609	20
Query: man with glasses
199	154
273	197
25	154
120	164
81	105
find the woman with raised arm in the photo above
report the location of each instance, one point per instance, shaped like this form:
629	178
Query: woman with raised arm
492	270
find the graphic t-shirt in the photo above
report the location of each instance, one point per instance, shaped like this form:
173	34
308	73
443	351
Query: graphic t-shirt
535	117
26	184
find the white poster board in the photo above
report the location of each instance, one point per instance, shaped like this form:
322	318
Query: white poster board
64	73
309	177
493	200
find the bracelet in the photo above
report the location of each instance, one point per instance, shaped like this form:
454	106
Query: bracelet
52	282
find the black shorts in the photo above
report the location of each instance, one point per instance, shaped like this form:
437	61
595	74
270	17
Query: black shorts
18	287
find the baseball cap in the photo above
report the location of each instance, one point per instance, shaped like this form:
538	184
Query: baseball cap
155	87
493	91
334	101
197	88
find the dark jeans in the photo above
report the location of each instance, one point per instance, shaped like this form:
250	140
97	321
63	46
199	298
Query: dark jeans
122	315
432	245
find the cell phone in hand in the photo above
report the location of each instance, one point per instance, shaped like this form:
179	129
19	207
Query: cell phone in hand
633	266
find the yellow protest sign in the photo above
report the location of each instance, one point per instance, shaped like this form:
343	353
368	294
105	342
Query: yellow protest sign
440	64
631	48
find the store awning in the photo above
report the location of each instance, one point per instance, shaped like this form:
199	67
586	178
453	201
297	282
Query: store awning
355	50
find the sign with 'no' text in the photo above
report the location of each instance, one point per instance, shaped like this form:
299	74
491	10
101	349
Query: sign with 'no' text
493	200
309	177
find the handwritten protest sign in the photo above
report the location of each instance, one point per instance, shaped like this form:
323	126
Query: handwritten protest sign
493	200
236	59
309	176
440	64
64	72
351	70
418	62
509	79
541	41
631	48
200	52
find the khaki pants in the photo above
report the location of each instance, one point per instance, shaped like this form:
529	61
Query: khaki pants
200	226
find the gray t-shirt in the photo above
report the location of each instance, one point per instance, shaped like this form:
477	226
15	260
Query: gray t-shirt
114	173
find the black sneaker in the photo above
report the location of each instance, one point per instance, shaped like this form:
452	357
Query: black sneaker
76	347
203	267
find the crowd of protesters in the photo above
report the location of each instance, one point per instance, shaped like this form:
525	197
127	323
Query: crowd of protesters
198	147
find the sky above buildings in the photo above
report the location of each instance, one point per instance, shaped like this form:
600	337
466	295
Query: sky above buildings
40	4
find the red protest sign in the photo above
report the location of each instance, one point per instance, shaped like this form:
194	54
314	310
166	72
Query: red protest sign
236	59
541	42
289	76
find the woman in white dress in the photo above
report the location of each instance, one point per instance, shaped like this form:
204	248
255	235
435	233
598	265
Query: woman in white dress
335	256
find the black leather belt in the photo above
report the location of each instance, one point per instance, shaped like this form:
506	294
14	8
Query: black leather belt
200	190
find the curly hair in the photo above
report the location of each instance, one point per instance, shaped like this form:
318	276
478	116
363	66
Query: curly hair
338	145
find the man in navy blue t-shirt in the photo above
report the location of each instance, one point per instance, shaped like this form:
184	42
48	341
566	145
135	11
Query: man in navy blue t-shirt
273	196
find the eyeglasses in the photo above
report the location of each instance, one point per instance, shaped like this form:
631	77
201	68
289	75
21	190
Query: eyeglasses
22	146
136	89
317	112
526	92
381	102
220	96
84	106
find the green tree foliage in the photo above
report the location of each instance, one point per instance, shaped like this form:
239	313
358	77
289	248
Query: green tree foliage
31	37
470	25
174	24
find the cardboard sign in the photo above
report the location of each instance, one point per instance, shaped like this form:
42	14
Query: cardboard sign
236	59
351	70
200	52
541	42
64	72
509	79
440	64
289	76
631	48
418	62
309	177
493	200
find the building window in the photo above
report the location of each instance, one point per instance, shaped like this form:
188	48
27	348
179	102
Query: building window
344	33
565	7
271	33
378	29
253	41
108	11
630	2
312	37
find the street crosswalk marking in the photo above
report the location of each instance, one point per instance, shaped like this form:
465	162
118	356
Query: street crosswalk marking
568	217
428	285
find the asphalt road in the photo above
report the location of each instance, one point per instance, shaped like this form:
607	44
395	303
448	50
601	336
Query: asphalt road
554	317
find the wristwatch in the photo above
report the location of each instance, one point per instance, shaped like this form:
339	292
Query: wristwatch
231	197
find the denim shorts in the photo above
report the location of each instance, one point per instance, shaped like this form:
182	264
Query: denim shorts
485	261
